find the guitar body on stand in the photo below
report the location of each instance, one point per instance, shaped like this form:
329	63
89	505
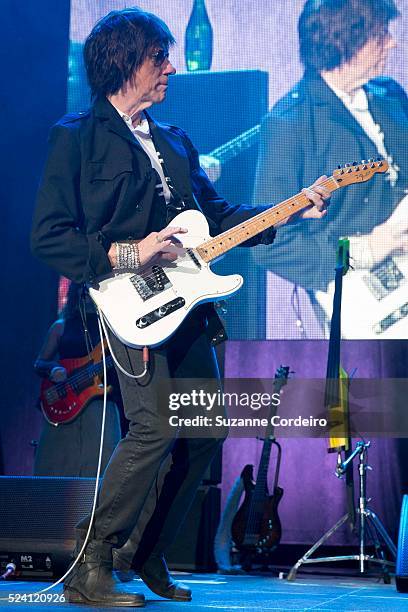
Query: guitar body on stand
256	528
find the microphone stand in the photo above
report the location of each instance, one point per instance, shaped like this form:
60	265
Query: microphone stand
367	521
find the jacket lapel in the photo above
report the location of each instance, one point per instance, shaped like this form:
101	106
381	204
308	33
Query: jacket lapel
323	96
167	142
113	121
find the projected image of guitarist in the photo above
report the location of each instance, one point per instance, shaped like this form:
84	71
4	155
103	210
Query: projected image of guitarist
341	110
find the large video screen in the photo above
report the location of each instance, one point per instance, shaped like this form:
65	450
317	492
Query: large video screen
265	129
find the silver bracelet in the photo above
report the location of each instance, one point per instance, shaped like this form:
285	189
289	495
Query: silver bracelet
127	256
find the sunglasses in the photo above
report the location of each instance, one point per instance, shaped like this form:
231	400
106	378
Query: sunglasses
159	57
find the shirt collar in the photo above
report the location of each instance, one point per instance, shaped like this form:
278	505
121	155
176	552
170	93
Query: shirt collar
358	102
142	127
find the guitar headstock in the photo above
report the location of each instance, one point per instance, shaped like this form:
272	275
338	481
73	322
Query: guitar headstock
359	172
281	378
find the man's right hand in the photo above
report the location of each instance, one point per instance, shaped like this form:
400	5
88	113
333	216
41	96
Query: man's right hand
157	245
389	238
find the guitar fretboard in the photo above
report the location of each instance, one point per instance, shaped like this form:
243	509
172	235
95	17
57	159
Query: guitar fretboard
215	247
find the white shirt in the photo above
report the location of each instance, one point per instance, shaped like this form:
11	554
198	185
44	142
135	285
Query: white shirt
358	107
142	134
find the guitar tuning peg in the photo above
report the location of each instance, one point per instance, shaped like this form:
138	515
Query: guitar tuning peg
346	165
363	161
370	160
355	163
339	167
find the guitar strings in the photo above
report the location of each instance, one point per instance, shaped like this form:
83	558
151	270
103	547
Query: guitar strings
234	143
149	275
81	376
274	211
284	207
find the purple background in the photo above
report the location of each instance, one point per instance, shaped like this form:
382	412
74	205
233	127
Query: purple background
314	498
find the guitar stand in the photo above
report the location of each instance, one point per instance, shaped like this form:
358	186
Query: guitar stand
368	522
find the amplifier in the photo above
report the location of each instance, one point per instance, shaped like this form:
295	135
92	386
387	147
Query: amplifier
38	517
37	522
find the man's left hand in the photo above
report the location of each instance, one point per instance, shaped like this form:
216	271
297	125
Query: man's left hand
319	197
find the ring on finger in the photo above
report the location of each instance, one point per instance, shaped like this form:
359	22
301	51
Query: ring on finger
158	239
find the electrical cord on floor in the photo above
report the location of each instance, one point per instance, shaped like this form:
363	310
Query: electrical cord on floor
98	471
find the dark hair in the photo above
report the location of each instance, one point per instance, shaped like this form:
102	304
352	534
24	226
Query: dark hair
331	32
118	44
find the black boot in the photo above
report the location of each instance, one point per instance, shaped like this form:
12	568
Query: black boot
155	575
122	565
91	581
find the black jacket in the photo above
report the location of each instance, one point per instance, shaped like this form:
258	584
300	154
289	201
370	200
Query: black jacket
98	187
309	132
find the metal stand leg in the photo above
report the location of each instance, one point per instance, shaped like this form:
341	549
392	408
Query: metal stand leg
366	519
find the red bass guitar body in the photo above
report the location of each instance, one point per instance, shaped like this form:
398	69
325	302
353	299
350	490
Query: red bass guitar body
62	402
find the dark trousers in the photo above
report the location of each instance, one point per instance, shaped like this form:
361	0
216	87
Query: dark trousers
136	460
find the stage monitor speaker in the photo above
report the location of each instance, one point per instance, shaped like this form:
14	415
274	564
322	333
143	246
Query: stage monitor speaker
38	517
37	522
401	573
194	546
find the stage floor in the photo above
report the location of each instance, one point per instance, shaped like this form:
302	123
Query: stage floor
247	593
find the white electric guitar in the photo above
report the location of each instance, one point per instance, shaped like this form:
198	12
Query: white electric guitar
374	302
145	307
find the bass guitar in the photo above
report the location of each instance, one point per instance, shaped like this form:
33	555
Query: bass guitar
62	402
145	307
256	528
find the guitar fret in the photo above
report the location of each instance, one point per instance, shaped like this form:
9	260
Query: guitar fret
215	247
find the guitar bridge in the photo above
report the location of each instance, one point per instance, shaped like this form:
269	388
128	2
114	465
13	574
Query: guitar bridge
149	285
384	279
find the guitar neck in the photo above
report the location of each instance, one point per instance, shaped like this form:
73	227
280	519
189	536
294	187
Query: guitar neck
97	368
87	374
237	145
262	476
215	247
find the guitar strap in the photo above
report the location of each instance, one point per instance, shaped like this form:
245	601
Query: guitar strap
215	329
84	319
